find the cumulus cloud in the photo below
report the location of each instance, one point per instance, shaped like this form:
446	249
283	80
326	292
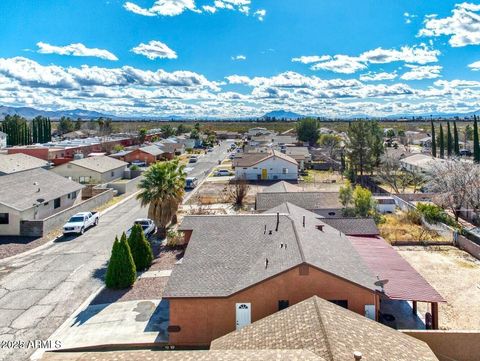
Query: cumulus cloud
239	57
408	17
346	64
372	76
260	14
463	26
475	66
162	7
422	72
155	49
76	49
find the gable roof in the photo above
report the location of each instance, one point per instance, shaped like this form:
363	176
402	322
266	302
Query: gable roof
250	159
307	200
100	164
48	186
152	150
219	262
329	331
12	163
282	186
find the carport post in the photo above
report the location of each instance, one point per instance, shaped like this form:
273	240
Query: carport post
414	307
434	315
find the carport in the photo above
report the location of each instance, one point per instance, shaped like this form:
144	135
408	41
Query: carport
398	280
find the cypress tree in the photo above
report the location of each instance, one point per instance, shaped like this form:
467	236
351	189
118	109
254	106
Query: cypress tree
434	141
442	143
121	271
449	140
476	145
456	144
141	251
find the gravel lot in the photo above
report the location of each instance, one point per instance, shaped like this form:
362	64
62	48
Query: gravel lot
456	276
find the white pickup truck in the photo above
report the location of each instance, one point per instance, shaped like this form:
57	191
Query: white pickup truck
80	222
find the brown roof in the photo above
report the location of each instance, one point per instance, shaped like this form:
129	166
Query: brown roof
404	282
250	159
329	331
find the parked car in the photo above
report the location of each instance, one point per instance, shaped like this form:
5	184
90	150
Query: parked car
222	173
231	156
148	226
191	182
80	222
466	152
193	159
139	163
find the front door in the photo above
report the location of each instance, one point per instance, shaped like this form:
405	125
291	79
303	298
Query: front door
264	174
243	315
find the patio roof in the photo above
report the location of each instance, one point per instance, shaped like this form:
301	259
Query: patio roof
404	282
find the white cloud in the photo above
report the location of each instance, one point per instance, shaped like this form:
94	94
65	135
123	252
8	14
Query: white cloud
474	66
308	59
463	26
155	49
341	64
76	49
162	7
408	17
239	57
209	9
371	76
422	72
260	14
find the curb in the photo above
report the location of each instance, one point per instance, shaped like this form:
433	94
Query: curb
38	354
50	242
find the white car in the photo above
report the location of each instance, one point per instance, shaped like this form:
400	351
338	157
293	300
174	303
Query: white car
80	222
223	173
148	226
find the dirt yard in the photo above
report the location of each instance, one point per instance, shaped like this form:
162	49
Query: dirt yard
456	276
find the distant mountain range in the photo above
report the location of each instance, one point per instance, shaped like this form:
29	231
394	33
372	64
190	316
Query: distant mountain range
283	114
30	113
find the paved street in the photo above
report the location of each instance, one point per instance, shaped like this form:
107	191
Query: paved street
39	291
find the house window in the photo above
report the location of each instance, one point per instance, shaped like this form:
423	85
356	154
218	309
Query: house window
282	304
3	218
341	303
112	174
83	179
74	195
56	203
285	170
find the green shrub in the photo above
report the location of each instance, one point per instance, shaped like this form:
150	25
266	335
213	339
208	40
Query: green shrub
134	167
121	272
434	214
139	246
173	238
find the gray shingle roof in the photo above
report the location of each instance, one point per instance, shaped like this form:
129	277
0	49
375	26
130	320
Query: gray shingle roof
18	190
354	226
306	200
12	163
227	254
329	331
282	186
100	164
152	149
250	159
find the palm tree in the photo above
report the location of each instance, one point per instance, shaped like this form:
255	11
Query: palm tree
162	189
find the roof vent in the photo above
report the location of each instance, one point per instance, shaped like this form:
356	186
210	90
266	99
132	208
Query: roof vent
357	355
278	221
303	221
320	227
266	263
270	232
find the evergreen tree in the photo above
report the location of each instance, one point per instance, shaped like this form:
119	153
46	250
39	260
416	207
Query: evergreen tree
476	145
456	144
141	251
442	143
121	271
449	140
434	141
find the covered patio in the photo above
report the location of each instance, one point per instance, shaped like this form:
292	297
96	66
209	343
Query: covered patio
402	287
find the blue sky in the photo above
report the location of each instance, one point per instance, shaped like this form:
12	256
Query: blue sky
229	58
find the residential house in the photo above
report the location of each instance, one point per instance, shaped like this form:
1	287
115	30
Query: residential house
265	166
33	195
102	169
300	154
188	143
329	332
385	204
149	154
171	148
258	131
13	163
421	163
3	140
238	269
326	204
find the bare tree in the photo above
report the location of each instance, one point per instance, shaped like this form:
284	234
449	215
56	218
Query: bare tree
392	173
237	192
456	184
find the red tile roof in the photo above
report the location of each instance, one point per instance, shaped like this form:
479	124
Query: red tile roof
404	282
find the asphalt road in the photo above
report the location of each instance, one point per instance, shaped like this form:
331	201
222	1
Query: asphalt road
39	291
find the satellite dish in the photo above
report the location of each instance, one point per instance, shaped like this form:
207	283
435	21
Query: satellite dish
381	283
40	200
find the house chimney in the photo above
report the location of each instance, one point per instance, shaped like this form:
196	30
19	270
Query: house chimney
357	355
303	221
278	221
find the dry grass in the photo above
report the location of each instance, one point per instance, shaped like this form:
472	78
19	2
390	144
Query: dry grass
398	228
